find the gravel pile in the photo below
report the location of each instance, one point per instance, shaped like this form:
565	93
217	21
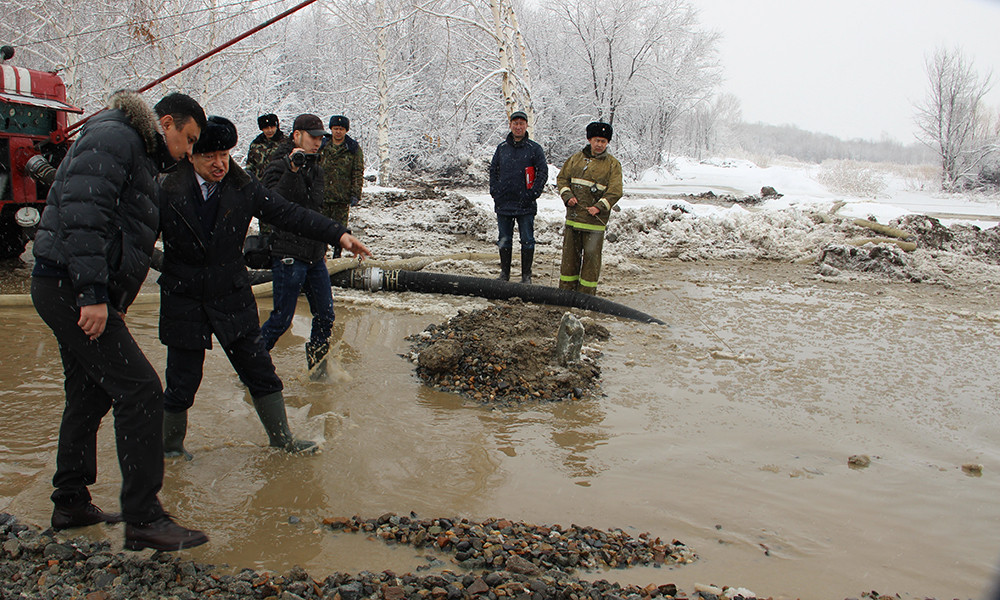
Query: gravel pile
521	547
39	564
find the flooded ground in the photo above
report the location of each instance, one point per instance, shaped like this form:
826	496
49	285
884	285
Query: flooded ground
729	430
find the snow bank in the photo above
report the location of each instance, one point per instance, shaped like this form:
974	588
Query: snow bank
656	220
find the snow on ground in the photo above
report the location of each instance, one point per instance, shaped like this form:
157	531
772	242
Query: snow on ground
662	216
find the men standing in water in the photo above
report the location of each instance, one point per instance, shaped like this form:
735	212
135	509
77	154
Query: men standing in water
518	174
206	207
590	183
92	252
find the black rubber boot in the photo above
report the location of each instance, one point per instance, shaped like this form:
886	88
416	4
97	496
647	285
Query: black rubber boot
505	257
316	359
174	430
271	410
527	258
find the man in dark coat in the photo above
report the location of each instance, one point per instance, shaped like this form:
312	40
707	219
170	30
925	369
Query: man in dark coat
518	174
92	252
263	146
299	263
206	208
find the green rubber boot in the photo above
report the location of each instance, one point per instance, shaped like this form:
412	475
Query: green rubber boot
174	430
271	410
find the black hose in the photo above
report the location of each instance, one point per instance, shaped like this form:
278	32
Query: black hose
492	289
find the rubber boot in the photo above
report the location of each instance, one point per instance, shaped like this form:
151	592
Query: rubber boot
271	410
316	359
174	430
527	258
505	257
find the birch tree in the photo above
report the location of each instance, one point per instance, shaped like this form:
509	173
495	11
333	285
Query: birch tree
951	120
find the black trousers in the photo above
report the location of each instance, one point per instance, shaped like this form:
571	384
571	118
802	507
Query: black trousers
248	356
109	373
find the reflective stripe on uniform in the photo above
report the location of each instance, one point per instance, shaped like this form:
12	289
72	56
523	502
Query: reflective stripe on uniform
587	226
586	283
564	189
605	204
569	278
588	183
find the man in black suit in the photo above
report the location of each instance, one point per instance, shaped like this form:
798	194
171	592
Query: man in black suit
206	208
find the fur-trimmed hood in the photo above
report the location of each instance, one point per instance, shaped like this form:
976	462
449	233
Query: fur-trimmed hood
140	115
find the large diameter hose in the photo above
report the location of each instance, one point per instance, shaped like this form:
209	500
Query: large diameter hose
375	279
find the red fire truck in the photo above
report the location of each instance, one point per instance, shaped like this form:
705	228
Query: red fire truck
33	112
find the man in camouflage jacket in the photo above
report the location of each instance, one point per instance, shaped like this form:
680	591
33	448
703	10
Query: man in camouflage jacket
343	165
264	145
590	183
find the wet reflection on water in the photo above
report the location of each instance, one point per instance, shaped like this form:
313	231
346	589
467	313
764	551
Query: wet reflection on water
729	430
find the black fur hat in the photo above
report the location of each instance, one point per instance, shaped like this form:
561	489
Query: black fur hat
220	134
270	120
599	129
340	120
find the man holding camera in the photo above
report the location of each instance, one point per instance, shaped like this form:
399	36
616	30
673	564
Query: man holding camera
298	262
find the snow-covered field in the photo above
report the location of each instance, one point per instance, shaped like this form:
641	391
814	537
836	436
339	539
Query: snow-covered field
664	215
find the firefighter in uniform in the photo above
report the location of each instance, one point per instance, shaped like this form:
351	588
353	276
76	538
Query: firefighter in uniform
590	183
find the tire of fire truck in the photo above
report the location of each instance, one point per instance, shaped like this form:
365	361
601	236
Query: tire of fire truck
12	238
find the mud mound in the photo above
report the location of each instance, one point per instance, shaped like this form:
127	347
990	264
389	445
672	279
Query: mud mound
504	354
882	259
970	240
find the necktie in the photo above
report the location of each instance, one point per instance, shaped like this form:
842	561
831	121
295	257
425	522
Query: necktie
209	189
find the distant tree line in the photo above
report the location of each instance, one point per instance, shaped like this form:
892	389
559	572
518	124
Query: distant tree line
808	146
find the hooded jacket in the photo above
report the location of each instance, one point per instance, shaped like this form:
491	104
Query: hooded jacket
101	217
508	185
204	284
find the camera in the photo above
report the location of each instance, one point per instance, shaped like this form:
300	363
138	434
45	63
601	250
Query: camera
301	159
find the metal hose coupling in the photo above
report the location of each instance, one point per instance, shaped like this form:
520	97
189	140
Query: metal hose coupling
368	278
40	169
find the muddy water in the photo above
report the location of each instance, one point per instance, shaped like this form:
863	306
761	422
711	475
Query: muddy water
729	430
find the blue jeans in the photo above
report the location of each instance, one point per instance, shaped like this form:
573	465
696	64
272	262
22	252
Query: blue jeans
525	228
288	281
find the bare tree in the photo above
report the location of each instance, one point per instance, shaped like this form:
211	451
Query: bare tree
640	65
950	119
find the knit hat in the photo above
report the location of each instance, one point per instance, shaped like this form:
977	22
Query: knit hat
219	134
340	121
599	129
269	120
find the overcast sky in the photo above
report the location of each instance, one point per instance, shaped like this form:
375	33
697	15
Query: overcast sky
851	68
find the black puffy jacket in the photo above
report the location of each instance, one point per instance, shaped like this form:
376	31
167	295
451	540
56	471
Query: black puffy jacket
101	217
204	285
305	188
